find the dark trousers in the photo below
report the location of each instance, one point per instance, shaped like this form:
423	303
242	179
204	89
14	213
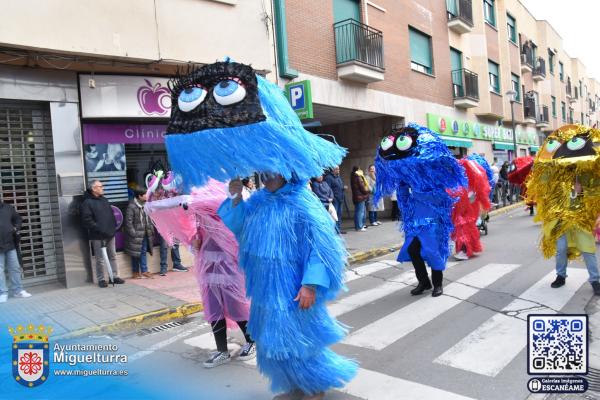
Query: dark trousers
219	329
395	211
414	250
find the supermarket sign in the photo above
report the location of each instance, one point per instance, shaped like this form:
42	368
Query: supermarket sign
474	130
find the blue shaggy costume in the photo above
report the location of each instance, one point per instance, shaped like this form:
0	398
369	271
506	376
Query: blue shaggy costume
227	122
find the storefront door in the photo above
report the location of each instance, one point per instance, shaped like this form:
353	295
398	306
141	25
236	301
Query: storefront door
28	182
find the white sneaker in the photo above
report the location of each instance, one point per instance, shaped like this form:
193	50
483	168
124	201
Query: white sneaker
23	294
3	298
461	256
218	358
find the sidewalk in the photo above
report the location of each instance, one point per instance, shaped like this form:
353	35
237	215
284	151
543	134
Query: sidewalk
90	309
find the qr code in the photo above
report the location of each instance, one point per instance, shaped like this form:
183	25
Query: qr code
557	344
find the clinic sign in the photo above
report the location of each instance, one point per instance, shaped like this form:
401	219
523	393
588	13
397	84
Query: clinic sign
474	130
300	98
121	96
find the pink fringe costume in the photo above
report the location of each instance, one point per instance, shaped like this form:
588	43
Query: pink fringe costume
188	218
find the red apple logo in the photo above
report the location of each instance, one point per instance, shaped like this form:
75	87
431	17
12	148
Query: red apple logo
154	100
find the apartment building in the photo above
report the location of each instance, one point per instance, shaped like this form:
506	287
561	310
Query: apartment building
83	80
376	64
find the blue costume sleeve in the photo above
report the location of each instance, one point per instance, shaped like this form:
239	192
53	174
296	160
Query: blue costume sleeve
233	217
315	272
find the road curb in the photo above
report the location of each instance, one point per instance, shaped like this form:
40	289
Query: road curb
187	309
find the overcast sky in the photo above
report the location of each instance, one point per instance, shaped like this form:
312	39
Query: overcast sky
578	23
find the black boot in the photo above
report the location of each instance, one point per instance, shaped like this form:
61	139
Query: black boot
421	287
437	277
558	282
596	287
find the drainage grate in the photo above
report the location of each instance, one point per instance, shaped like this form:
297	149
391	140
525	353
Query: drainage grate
160	328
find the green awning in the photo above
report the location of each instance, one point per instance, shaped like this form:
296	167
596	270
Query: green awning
503	146
534	149
457	141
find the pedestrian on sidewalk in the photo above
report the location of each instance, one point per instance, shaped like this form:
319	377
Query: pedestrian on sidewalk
372	206
360	195
140	235
414	162
336	183
395	210
98	219
175	257
249	186
10	225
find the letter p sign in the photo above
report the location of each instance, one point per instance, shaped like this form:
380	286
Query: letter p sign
297	97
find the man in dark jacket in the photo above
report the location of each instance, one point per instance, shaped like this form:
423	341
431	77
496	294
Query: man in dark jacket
335	182
98	218
360	194
10	224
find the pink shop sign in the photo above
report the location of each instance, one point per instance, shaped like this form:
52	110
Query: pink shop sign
94	133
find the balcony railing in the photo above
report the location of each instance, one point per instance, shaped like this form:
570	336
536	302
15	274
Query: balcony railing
529	109
460	9
543	116
527	56
540	68
465	84
355	41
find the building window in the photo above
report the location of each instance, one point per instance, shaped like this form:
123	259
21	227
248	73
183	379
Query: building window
494	77
512	28
488	12
582	120
421	58
516	86
561	71
570	115
553	106
563	111
551	61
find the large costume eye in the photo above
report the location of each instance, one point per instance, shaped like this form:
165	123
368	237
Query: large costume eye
387	142
191	98
403	143
229	91
576	143
552	145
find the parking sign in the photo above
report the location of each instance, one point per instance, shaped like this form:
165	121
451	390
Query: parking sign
299	96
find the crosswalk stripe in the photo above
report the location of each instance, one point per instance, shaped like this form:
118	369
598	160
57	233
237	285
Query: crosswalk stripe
363	270
491	347
371	385
365	297
395	326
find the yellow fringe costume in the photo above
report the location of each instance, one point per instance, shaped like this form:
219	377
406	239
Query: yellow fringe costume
569	159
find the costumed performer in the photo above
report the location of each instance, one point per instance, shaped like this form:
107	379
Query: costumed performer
565	184
518	172
472	200
292	258
415	163
193	220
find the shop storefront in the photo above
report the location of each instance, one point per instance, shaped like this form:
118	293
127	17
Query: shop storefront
494	142
124	120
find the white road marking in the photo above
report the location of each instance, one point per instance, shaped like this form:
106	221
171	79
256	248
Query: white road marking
166	342
491	347
391	328
371	385
360	272
364	297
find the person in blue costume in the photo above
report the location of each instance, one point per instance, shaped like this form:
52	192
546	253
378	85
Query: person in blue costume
415	163
227	122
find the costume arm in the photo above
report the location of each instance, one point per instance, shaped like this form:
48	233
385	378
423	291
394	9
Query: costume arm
233	216
315	272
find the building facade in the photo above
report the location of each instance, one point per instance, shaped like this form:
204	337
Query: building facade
377	64
83	96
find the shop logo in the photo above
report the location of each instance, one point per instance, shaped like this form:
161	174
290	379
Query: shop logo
154	100
466	129
442	124
477	129
455	127
118	216
30	359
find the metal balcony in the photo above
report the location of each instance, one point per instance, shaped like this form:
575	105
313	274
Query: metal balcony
529	111
359	51
527	62
539	72
543	120
460	15
465	88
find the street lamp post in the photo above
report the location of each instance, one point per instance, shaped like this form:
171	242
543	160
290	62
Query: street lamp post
512	95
